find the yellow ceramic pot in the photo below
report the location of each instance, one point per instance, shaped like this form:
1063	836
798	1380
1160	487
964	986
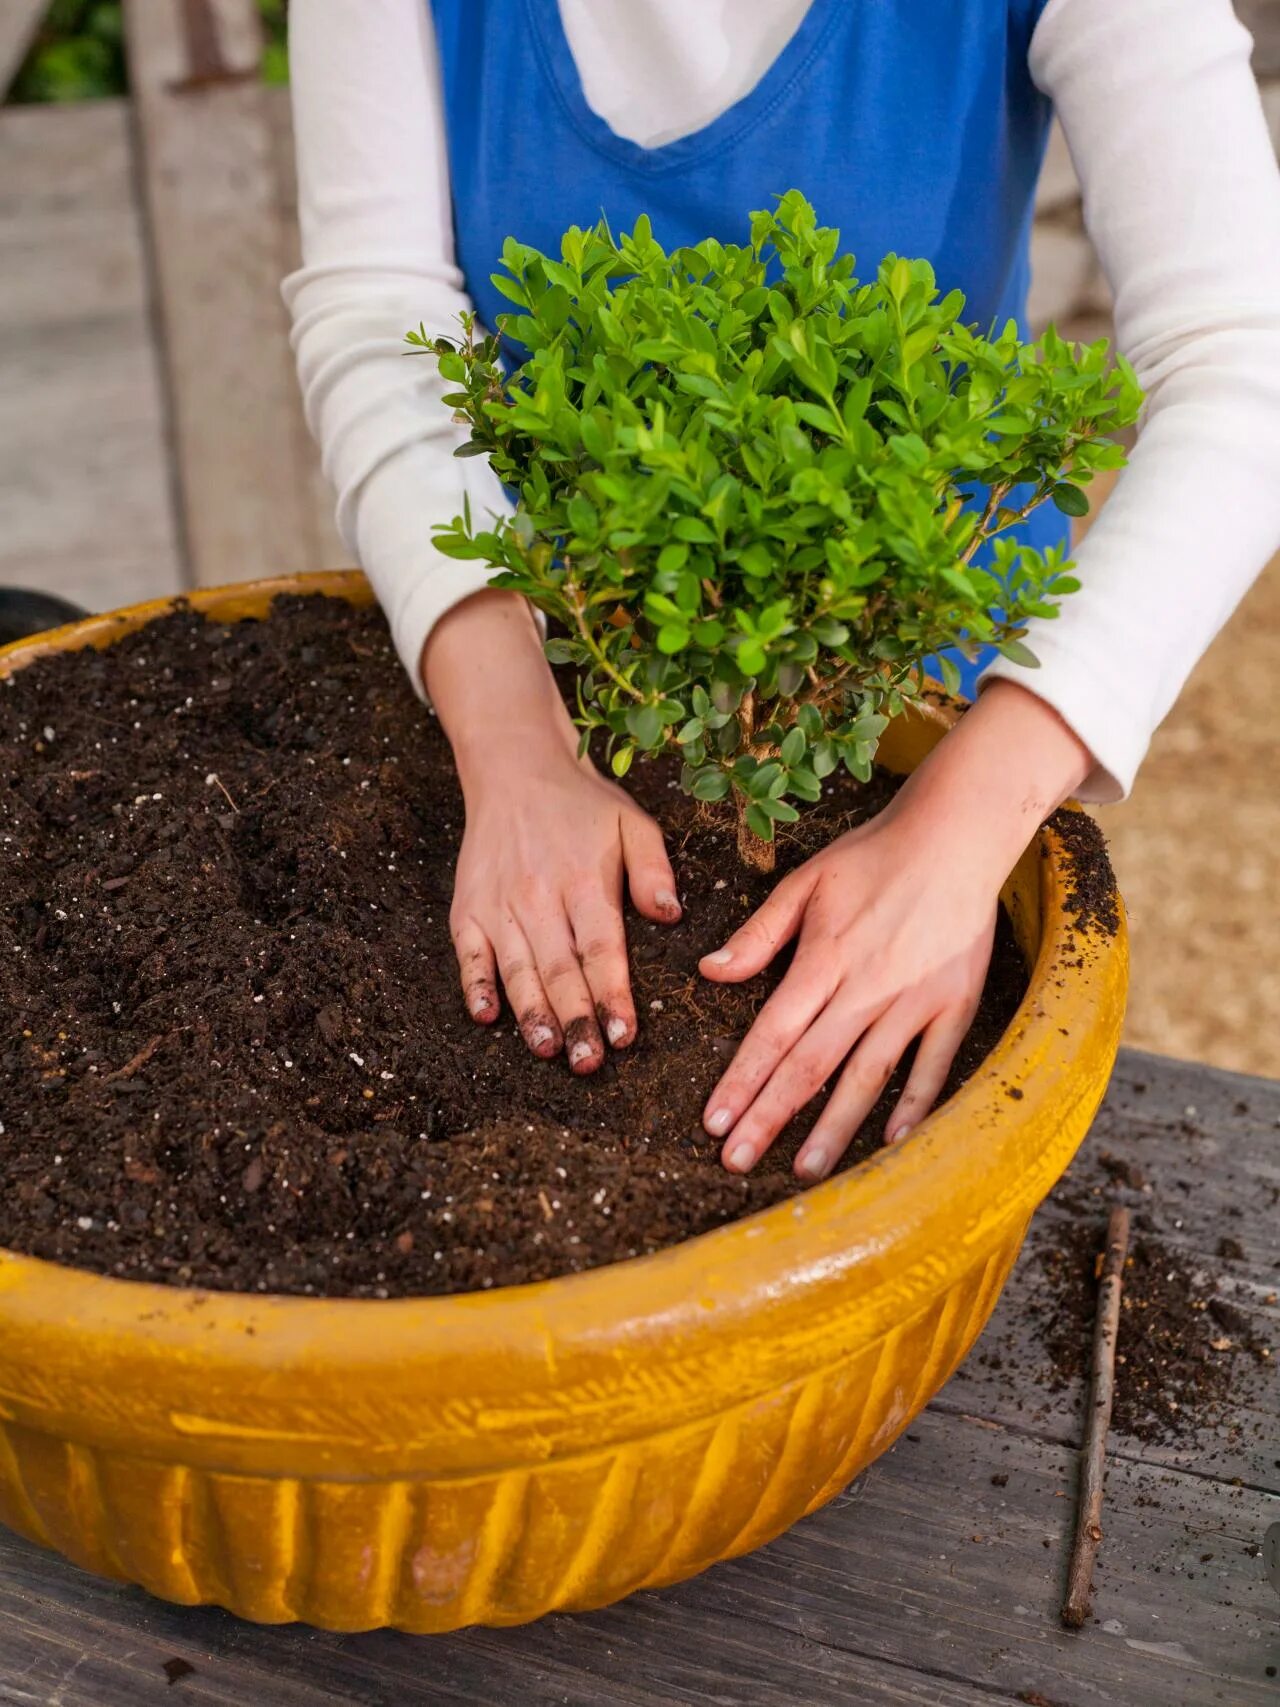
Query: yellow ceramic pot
486	1459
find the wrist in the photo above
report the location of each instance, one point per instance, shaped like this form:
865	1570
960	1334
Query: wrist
484	672
508	761
996	776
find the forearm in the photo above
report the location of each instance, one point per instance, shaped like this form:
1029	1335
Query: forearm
484	671
993	780
1182	200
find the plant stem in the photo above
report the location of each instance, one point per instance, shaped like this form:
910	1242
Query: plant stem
754	854
758	855
574	600
997	496
747	720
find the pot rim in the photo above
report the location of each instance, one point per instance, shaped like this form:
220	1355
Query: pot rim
907	1223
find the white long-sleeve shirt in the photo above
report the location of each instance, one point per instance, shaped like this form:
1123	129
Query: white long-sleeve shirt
1181	198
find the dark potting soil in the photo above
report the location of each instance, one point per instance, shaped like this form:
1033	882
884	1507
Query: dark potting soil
235	1054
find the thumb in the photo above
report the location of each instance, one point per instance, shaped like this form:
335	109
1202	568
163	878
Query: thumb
649	875
750	949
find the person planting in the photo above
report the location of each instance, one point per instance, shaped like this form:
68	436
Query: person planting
426	133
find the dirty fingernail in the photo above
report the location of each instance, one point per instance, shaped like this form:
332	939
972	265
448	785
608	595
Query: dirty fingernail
740	1158
899	1132
579	1053
540	1036
813	1164
667	900
616	1030
719	1121
721	957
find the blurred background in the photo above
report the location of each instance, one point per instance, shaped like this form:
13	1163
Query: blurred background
151	439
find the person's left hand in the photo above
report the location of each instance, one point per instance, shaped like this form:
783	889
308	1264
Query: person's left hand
893	925
894	939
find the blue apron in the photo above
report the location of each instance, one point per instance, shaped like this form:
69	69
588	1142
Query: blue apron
912	126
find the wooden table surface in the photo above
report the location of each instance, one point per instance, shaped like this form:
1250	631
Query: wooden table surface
934	1579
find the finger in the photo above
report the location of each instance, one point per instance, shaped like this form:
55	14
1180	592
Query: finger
601	945
751	947
650	878
929	1070
800	1074
779	1026
525	993
869	1070
477	968
562	978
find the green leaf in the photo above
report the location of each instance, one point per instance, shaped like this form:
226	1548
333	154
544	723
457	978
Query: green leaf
794	747
765	778
593	438
1070	500
582	515
644	725
512	289
809	719
804	785
759	823
830	632
620	763
961	583
751	657
779	811
815	415
910	449
710	784
950	673
1017	653
693	529
825	759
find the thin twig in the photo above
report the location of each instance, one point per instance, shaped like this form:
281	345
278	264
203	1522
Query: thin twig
1075	1608
573	598
215	778
135	1063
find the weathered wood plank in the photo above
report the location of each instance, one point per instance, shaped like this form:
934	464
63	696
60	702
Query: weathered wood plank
331	553
926	1557
85	502
65	1636
209	167
19	21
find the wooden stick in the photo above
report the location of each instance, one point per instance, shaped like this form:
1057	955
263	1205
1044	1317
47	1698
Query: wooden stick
1075	1608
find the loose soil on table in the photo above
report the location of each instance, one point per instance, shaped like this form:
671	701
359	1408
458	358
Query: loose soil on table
236	1055
1168	1379
1184	1349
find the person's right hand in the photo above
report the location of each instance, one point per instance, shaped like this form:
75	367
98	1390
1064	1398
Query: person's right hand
538	891
538	900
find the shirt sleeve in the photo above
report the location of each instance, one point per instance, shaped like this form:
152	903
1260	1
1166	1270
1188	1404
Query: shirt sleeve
378	259
1182	201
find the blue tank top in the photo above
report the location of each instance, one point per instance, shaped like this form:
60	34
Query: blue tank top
912	127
